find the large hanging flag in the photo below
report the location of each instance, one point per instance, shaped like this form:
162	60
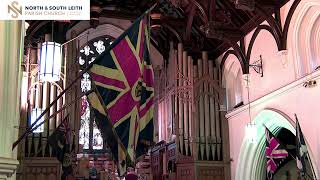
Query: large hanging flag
301	150
59	141
275	154
123	102
108	132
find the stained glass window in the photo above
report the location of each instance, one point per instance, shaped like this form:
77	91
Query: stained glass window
89	134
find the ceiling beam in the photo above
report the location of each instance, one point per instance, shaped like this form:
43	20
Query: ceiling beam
117	14
221	31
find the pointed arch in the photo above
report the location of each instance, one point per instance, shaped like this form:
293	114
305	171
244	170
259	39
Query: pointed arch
303	45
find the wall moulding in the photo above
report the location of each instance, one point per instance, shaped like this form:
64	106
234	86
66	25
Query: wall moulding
282	90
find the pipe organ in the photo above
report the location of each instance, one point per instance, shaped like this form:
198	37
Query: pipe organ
34	152
40	95
190	97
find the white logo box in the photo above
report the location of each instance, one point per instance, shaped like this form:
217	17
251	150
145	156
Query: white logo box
45	10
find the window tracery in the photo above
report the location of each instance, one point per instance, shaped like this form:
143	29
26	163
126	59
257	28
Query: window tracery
89	134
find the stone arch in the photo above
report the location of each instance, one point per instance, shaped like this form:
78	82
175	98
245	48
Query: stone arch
101	30
304	33
256	34
251	163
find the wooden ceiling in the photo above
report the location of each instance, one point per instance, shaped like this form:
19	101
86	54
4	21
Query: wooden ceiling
211	25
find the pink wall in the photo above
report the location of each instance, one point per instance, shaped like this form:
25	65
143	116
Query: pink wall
275	73
281	87
298	99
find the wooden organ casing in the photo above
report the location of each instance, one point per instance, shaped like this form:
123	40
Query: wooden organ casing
190	97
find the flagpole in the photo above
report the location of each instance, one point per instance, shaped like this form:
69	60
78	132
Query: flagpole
309	159
113	169
47	109
313	172
285	148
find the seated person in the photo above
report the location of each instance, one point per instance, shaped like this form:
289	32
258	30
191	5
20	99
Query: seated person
131	174
116	175
107	174
107	167
92	171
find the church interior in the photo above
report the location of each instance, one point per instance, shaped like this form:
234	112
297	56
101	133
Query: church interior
234	94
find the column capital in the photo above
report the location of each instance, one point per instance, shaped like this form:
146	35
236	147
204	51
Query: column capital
283	55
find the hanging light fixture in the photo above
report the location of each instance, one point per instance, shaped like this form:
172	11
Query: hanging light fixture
35	113
50	60
251	127
251	132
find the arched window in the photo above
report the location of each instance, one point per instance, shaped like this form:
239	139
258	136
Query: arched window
238	87
233	82
89	134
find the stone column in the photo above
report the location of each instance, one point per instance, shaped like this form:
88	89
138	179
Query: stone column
11	53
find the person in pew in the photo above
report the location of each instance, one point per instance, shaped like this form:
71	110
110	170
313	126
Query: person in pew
107	174
131	174
93	173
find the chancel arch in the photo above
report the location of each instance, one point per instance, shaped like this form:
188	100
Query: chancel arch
252	159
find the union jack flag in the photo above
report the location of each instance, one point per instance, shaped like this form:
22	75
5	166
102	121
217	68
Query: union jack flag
275	154
123	78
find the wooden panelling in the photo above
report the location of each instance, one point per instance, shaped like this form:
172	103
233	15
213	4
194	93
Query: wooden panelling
39	169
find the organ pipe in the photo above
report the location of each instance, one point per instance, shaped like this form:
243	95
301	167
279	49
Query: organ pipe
201	112
33	56
190	97
32	92
176	105
46	102
196	118
185	103
180	107
53	95
206	104
212	114
59	106
217	117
